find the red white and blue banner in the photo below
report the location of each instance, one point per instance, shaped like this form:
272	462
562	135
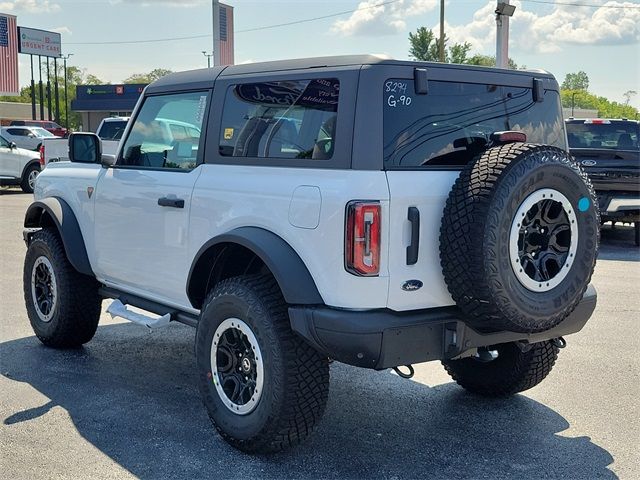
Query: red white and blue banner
226	35
8	55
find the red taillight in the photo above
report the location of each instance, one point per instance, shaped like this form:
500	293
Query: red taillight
509	136
42	155
362	238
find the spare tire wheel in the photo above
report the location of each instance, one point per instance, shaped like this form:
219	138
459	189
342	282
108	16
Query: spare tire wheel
519	238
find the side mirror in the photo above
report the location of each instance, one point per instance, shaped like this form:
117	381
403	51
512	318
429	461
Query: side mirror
85	148
12	145
31	135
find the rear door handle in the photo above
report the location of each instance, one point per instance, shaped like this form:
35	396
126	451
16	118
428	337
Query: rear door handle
412	250
171	202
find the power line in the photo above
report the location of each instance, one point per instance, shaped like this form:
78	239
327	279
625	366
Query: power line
265	27
563	4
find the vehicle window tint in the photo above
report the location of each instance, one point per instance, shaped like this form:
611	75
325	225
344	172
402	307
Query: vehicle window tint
286	119
452	123
152	142
112	130
609	134
17	131
4	142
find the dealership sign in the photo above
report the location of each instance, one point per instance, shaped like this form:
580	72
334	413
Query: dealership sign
39	42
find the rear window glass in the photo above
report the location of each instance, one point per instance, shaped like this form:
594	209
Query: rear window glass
113	130
613	135
287	119
450	125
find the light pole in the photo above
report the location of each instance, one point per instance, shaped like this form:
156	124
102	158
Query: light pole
441	49
573	101
503	12
66	98
208	55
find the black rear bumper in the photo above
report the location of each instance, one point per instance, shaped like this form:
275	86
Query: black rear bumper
383	338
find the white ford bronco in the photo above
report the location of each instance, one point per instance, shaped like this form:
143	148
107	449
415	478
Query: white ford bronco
378	213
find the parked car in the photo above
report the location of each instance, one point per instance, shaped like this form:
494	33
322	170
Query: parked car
26	137
52	127
18	166
111	128
609	151
375	212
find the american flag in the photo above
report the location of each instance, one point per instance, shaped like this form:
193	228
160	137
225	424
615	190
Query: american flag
8	55
226	35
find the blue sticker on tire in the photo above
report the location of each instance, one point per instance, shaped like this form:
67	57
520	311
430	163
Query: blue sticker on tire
583	204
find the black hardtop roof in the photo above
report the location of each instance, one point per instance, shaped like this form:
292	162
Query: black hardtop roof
204	77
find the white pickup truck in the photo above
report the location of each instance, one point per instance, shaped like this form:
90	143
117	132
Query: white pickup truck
110	131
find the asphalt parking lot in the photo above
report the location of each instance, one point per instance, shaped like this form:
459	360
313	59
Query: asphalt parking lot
126	405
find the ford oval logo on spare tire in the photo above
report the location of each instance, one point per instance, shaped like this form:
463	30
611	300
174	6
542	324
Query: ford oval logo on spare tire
589	163
411	285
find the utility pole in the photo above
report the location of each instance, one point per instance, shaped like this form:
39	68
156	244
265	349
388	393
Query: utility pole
216	32
208	55
503	12
441	50
66	97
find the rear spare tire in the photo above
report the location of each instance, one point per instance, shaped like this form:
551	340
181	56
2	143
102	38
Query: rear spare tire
519	238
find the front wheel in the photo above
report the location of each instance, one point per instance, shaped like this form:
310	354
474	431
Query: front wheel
264	388
505	369
63	305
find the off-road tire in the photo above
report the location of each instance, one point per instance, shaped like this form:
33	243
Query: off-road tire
475	237
24	183
512	372
296	377
77	309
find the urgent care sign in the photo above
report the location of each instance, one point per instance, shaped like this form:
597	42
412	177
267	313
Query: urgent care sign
39	42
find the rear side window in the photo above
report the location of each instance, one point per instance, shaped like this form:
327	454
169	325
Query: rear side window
450	125
603	134
166	132
287	119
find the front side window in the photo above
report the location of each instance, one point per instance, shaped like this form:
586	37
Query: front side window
452	124
4	143
41	132
166	132
286	119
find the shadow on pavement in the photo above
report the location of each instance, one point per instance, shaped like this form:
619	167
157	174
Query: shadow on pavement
132	395
618	243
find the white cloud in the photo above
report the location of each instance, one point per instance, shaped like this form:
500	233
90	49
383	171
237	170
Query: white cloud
65	30
29	6
374	18
550	32
167	3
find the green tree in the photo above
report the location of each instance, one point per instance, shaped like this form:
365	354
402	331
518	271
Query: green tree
627	95
425	46
576	81
152	76
605	107
490	61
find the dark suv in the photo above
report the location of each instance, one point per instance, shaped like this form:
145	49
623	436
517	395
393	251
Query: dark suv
609	151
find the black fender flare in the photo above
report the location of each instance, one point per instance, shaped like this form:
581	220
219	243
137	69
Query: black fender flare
291	274
65	221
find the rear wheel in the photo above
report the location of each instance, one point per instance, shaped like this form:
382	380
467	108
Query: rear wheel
264	388
63	305
505	369
28	182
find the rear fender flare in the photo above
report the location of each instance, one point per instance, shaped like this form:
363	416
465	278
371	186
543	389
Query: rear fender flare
290	272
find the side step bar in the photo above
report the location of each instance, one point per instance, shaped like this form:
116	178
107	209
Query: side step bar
125	299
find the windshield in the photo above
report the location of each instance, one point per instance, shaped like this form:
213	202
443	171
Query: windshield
619	135
41	132
113	130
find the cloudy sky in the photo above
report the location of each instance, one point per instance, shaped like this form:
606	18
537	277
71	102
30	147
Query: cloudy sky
562	36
